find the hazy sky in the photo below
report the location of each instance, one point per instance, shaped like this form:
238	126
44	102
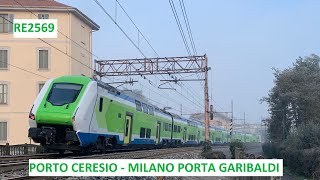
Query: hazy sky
243	39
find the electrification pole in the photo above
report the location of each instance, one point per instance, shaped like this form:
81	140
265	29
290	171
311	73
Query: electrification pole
206	99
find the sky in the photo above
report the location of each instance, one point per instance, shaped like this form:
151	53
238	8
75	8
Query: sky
243	40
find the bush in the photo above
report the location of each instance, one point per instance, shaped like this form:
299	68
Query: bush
208	153
300	151
235	144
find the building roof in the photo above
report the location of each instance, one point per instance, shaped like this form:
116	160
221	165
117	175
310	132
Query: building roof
33	3
47	5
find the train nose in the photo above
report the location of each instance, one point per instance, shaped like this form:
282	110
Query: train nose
58	118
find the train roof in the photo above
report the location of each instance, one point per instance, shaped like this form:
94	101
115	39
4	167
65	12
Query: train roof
190	121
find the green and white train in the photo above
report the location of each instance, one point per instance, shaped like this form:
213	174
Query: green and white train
78	113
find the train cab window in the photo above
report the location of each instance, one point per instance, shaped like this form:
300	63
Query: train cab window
142	132
138	106
64	93
151	111
100	104
145	108
148	134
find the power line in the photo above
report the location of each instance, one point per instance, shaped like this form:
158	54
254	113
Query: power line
139	31
60	32
27	71
186	19
128	37
113	20
179	26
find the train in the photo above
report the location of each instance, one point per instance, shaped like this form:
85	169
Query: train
82	114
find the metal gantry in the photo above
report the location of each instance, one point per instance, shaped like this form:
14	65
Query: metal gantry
159	65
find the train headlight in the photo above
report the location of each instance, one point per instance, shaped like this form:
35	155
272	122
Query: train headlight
32	116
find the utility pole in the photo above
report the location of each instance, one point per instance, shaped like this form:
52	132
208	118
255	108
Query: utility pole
206	100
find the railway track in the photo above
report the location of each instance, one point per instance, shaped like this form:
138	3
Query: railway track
142	154
4	159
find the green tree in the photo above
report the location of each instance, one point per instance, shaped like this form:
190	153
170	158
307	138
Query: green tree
295	97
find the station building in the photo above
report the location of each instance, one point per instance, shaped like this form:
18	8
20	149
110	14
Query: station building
25	64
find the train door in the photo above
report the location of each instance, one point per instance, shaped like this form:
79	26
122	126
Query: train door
127	129
198	137
158	133
185	135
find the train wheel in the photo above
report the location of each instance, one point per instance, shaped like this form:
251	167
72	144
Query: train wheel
61	152
102	144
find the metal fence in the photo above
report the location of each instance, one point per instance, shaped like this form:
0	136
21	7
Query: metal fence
21	149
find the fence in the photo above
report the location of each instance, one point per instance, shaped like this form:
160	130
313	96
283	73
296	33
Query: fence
21	149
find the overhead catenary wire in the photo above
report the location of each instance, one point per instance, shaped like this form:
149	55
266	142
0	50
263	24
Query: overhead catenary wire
128	37
56	49
186	19
61	32
73	41
139	31
174	11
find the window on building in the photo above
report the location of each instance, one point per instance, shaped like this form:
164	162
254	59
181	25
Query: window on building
148	134
40	86
3	59
43	16
138	106
5	23
145	108
142	132
43	59
3	131
3	93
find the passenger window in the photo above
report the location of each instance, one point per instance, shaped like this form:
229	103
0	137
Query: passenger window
145	108
101	104
142	132
148	133
151	111
138	106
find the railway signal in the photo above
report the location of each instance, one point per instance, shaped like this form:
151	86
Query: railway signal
231	126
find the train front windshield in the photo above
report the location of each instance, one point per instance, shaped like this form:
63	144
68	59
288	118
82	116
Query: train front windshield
63	93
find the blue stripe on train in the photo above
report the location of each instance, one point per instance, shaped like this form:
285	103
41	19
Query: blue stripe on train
87	138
